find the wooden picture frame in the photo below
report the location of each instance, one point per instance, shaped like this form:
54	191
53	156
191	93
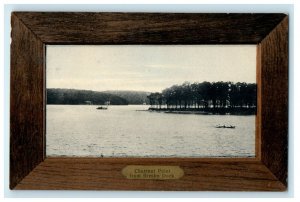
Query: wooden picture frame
32	31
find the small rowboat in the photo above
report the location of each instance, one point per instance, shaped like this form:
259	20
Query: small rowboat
224	126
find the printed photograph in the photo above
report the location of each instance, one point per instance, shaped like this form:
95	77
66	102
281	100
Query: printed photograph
156	101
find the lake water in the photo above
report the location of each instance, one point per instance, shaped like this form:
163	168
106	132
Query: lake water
124	131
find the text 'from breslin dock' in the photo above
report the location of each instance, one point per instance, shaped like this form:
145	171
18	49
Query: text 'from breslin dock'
153	172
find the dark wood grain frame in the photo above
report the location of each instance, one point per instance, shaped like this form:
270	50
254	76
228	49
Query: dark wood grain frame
32	31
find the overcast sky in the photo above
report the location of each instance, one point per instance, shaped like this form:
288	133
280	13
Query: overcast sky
146	67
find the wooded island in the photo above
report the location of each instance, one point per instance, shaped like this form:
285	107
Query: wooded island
211	97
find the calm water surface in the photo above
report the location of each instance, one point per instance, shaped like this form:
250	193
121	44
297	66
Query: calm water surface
123	131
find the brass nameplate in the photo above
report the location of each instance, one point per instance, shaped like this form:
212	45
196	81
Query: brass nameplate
154	172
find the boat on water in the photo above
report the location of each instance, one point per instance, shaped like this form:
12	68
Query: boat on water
104	107
225	126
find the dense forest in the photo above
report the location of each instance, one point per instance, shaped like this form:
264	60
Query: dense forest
133	97
206	95
76	97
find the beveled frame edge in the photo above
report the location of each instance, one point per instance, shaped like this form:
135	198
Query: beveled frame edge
30	169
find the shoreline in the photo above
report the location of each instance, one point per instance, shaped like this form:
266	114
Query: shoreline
207	111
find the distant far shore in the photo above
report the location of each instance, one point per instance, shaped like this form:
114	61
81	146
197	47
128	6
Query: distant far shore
82	104
92	104
207	111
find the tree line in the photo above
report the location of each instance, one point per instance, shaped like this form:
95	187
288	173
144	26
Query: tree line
205	95
81	97
133	97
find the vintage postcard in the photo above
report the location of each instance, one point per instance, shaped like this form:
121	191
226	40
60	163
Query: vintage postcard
151	100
